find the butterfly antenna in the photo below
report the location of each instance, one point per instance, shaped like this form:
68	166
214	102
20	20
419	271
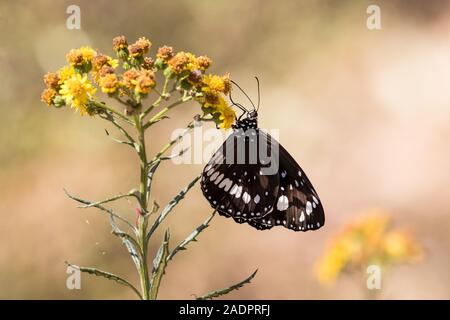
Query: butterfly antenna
259	98
244	93
237	104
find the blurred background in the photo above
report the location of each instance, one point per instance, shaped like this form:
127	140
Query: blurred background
365	113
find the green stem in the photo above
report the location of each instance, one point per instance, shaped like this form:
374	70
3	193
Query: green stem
142	223
162	95
160	114
113	111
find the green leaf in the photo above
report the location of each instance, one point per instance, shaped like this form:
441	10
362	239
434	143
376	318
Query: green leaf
98	206
191	237
159	266
129	242
114	198
224	291
169	207
107	275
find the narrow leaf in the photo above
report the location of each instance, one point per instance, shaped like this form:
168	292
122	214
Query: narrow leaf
224	291
129	242
159	266
98	206
191	237
169	207
121	196
107	275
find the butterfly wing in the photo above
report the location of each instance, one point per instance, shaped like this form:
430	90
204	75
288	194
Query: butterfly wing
232	180
297	205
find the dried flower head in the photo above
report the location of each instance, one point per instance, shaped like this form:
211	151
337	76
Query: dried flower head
47	96
78	57
109	83
119	43
148	63
145	81
140	47
129	78
99	61
179	62
51	79
106	69
165	53
204	62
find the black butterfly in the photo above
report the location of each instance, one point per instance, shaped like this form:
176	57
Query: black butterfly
253	179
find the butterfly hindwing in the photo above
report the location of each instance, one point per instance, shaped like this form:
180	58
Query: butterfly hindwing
297	205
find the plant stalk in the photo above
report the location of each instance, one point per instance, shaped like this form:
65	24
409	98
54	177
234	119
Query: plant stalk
142	221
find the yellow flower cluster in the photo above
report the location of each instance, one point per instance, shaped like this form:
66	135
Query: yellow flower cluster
88	70
369	240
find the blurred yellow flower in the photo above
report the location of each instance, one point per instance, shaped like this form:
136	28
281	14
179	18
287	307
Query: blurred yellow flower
227	114
366	241
76	92
65	73
398	246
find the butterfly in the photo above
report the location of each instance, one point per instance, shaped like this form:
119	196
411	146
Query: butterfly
253	179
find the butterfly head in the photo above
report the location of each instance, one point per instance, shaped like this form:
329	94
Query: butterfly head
249	122
251	116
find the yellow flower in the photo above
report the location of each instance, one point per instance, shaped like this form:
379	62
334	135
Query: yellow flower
88	53
367	240
216	84
399	246
65	73
227	114
113	63
334	261
76	91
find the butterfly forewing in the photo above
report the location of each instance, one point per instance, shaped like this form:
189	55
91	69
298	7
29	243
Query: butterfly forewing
232	180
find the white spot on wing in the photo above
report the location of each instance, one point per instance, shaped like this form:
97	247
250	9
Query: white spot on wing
309	208
246	197
234	189
315	200
219	179
226	184
257	198
302	217
238	192
283	203
214	176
